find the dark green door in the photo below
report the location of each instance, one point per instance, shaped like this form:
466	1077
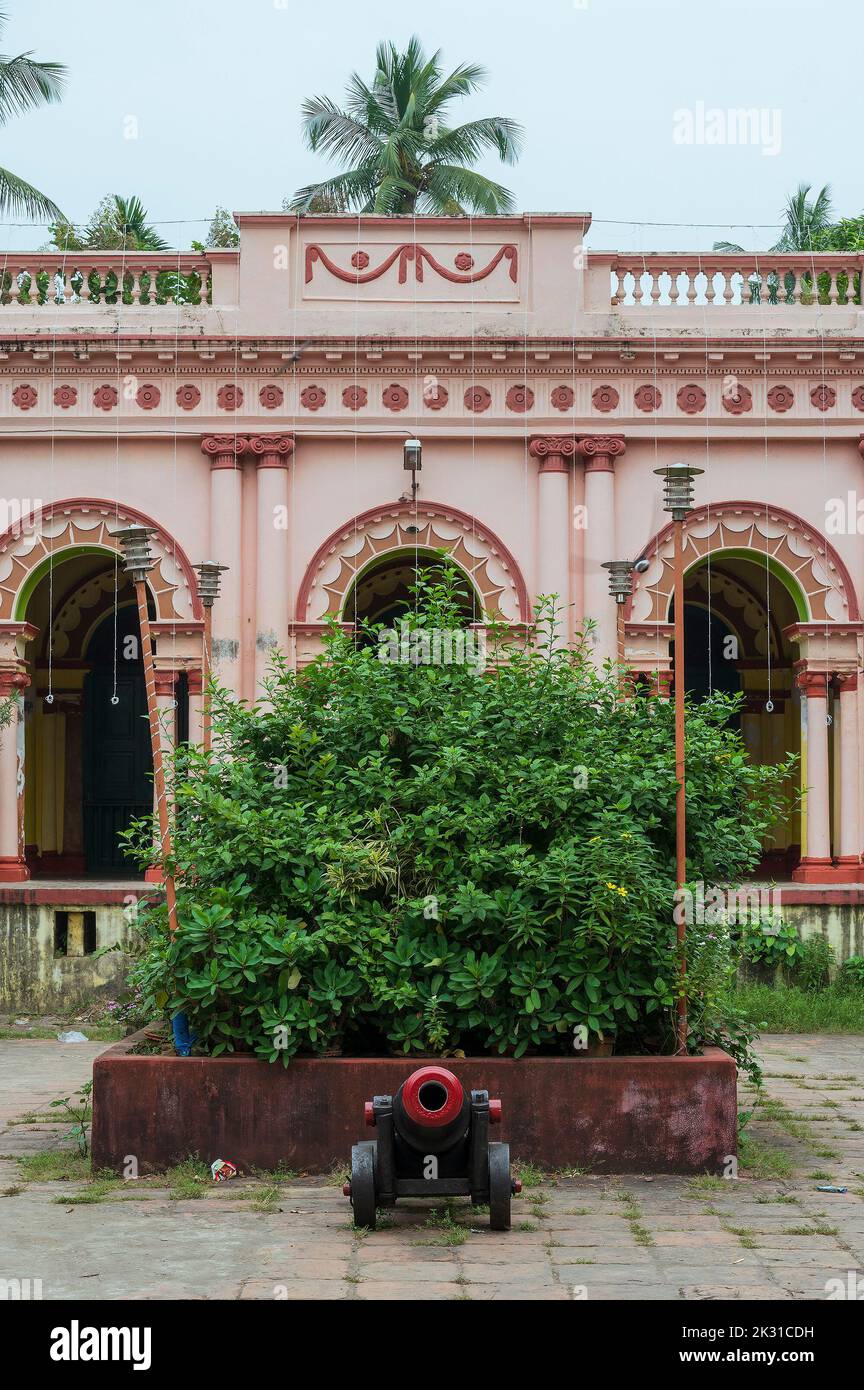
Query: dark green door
117	766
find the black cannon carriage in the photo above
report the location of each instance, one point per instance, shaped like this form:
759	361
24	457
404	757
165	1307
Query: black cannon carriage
433	1141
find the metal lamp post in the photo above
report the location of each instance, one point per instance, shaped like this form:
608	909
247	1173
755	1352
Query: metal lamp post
678	500
209	580
138	561
620	587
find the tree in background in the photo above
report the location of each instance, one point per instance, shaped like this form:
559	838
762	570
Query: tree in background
25	84
808	226
116	224
397	151
223	232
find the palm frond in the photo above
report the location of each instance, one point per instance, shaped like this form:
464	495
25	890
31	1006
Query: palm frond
352	191
466	187
470	141
25	84
329	130
16	195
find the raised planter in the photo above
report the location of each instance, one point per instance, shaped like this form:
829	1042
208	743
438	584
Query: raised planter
604	1114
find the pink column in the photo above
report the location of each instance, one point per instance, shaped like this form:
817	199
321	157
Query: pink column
600	452
272	453
225	452
815	867
13	868
555	453
165	685
195	686
850	776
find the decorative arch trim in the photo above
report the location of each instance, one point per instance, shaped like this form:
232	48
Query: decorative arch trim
793	549
379	531
85	523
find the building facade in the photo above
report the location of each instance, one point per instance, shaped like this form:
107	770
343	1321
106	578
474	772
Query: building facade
263	428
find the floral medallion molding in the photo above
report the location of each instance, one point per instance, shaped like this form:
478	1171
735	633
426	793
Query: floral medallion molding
360	270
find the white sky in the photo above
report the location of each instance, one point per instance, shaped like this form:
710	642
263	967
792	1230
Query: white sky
216	87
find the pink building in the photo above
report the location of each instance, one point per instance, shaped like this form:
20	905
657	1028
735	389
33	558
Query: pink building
264	428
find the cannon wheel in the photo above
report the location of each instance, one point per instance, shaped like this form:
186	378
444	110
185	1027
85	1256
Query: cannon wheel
500	1188
363	1184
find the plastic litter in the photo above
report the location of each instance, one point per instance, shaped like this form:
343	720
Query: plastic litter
222	1170
827	1187
72	1036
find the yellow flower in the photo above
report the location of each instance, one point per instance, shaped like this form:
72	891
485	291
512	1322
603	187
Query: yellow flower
623	892
613	887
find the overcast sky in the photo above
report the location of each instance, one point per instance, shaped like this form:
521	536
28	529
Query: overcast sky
625	104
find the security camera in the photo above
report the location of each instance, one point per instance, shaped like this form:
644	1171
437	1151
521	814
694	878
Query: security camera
641	565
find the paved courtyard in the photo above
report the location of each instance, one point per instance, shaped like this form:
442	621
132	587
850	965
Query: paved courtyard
769	1235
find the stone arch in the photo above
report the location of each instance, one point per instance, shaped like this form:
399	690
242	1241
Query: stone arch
88	523
795	551
487	562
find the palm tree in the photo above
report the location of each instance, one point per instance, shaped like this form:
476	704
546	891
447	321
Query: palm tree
396	149
804	222
25	84
807	226
116	224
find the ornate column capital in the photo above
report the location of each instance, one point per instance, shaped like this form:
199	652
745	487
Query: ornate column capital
164	683
814	684
12	683
271	450
600	451
861	445
224	450
847	682
554	451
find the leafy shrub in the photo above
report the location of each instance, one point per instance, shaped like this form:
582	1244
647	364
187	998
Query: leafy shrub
770	946
813	967
850	976
420	858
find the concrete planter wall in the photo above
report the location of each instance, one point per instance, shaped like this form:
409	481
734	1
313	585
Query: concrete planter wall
606	1114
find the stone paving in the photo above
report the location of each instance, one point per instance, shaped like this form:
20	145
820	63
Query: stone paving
768	1235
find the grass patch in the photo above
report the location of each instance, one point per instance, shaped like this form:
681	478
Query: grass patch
11	1191
818	1230
188	1180
706	1182
761	1160
787	1009
530	1174
55	1165
447	1231
526	1226
94	1032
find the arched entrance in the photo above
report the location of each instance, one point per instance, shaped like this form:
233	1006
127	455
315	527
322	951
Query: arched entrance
87	743
736	610
383	591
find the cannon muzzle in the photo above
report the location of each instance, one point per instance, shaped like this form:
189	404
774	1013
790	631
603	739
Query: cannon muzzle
431	1110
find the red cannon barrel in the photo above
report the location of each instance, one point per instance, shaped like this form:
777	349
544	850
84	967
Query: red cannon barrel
431	1109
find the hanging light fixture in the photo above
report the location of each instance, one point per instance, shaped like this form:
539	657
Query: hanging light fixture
209	581
412	461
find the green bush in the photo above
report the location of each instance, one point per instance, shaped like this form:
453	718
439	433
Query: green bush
850	976
768	946
420	858
814	963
